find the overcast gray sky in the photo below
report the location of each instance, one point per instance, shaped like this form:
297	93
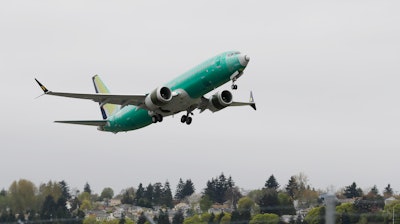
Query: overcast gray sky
325	76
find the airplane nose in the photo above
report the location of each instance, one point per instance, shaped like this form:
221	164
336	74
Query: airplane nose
244	59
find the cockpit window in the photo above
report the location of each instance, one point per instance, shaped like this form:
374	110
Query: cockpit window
233	53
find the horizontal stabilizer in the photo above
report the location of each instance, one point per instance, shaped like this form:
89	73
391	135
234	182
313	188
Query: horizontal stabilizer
100	123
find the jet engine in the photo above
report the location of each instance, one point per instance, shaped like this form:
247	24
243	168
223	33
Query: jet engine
158	98
220	100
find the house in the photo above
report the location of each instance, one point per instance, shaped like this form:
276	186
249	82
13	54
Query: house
390	200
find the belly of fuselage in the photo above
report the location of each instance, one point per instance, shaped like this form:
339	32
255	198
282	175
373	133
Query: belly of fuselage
181	102
129	118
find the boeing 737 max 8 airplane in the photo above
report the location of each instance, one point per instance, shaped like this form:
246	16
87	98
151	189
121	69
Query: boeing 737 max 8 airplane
184	93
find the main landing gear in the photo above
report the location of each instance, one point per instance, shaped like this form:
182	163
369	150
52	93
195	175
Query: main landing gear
157	118
186	118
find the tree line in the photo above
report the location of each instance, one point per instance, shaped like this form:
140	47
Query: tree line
55	201
366	207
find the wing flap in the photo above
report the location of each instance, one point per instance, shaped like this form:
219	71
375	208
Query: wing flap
99	123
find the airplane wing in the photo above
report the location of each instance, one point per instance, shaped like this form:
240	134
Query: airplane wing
89	122
205	104
102	98
250	103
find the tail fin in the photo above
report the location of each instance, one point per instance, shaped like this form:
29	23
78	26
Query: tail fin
106	109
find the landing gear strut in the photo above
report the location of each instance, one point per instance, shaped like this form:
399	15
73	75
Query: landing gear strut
186	118
157	118
235	77
234	86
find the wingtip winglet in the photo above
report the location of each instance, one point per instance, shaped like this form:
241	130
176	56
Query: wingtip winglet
253	105
45	90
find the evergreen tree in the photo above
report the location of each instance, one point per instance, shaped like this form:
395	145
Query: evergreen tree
163	217
64	190
87	189
179	190
217	188
49	208
157	193
240	217
184	189
7	217
210	190
166	197
388	192
292	187
374	191
352	191
148	196
271	183
62	211
188	188
139	195
178	217
220	188
269	202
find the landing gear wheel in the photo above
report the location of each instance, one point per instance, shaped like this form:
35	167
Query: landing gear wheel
184	118
156	118
159	117
188	120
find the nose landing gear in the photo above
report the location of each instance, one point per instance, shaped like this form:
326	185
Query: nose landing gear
234	86
235	77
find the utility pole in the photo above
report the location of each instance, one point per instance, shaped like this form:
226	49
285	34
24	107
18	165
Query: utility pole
330	208
393	212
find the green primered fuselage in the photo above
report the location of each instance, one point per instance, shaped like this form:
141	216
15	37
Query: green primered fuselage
190	86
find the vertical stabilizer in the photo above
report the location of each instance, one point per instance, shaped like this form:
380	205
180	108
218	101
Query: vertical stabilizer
106	109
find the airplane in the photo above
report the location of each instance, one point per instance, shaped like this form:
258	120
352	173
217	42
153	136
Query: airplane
122	113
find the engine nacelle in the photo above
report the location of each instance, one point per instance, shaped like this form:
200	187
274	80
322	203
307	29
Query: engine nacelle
158	98
220	100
